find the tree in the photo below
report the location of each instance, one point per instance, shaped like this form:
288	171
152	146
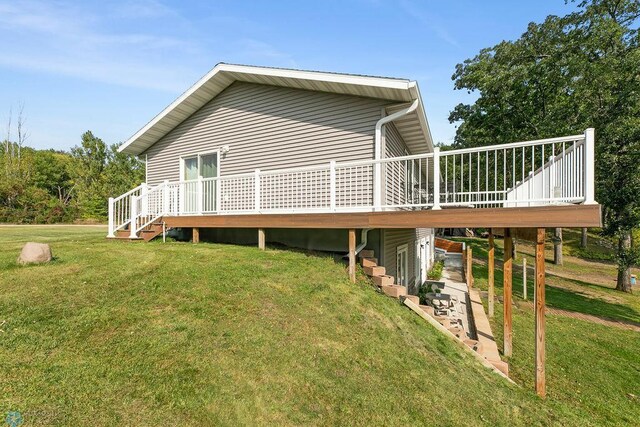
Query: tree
87	172
560	77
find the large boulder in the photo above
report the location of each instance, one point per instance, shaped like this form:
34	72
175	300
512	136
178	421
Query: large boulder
35	253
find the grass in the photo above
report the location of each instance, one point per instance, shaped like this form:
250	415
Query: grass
119	333
591	366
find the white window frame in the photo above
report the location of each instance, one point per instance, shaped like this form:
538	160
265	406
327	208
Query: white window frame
199	156
399	249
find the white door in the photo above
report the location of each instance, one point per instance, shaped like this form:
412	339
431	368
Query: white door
199	166
422	263
402	265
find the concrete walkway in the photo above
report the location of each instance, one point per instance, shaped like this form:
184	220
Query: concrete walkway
454	285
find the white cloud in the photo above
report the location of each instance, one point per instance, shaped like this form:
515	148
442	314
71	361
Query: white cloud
67	40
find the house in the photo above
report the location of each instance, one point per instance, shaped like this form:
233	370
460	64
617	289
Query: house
253	154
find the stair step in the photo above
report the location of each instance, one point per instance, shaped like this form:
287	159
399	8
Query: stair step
413	298
394	291
383	280
366	253
369	262
374	271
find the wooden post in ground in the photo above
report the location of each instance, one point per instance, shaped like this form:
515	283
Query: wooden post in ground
524	278
540	309
196	235
469	267
352	255
261	239
490	269
507	271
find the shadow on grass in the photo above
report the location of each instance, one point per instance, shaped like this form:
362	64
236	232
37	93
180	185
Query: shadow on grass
557	297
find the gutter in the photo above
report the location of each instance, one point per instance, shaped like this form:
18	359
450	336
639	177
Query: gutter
377	170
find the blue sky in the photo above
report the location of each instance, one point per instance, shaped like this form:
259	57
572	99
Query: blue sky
110	66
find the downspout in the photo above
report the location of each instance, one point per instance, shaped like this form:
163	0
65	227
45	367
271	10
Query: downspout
363	241
377	169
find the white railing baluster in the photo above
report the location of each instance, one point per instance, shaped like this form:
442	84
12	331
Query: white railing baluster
257	190
436	178
133	217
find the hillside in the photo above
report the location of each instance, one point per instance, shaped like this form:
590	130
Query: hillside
180	334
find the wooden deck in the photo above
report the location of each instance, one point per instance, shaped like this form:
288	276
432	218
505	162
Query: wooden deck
527	217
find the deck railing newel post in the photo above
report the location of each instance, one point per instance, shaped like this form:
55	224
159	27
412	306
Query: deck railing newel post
589	167
436	178
143	198
218	195
165	197
332	185
111	219
133	224
257	190
199	195
377	184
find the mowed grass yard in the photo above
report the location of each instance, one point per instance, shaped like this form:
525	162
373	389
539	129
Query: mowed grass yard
118	333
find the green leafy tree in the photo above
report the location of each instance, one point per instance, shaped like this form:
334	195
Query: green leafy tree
88	174
560	77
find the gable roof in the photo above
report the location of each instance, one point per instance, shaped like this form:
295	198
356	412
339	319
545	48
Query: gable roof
414	128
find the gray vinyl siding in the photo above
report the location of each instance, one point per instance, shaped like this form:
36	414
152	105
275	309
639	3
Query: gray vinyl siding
398	237
269	127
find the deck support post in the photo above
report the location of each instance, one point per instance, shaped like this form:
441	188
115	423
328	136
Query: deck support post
507	270
469	275
352	255
261	239
540	311
491	275
196	235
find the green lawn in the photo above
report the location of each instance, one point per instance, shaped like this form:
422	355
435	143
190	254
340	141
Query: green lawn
119	333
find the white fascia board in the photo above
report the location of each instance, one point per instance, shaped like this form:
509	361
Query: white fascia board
383	82
422	117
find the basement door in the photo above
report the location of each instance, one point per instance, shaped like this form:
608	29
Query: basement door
402	265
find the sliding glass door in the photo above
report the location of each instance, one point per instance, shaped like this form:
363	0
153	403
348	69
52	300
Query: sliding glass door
196	192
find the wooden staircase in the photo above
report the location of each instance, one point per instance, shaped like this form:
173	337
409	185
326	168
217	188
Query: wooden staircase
148	233
378	275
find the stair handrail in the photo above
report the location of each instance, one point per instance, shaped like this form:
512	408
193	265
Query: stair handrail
119	209
149	206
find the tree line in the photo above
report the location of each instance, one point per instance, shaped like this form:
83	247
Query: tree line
51	186
560	77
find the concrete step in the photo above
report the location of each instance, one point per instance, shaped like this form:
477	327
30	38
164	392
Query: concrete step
394	291
413	298
369	262
366	253
374	271
383	280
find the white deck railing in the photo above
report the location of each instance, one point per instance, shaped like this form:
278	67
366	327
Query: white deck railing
530	173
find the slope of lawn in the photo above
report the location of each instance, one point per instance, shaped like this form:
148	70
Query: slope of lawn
591	366
119	333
